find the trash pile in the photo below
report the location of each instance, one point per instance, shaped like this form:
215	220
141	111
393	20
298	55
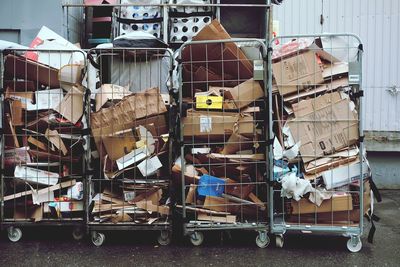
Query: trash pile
224	152
316	150
43	108
131	156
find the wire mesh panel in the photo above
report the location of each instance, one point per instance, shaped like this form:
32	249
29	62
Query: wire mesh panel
42	145
222	109
319	172
130	154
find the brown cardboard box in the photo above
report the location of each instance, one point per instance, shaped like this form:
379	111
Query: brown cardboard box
324	125
23	68
216	125
338	202
225	61
242	95
297	73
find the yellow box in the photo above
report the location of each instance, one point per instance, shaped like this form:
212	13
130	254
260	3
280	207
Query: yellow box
209	102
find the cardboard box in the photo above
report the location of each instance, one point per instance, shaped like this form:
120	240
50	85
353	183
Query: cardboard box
214	63
338	202
297	73
22	68
217	125
324	125
242	95
345	174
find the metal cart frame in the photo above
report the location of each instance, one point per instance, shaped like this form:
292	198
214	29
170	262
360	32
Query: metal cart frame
14	226
194	229
96	228
278	226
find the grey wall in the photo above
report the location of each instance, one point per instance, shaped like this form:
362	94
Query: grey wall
21	20
29	16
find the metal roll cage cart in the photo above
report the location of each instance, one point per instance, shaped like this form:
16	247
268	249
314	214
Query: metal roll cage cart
295	216
41	141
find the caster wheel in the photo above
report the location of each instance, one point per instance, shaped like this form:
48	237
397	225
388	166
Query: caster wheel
14	234
164	239
78	233
98	238
279	241
197	238
354	244
262	240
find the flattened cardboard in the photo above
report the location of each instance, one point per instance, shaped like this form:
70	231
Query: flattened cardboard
297	73
16	156
119	144
330	126
37	143
237	143
19	86
23	68
17	113
71	106
244	94
36	176
150	166
329	87
46	99
126	114
55	139
216	219
338	202
110	92
133	157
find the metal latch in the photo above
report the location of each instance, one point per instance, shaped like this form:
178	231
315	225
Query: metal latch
393	90
258	70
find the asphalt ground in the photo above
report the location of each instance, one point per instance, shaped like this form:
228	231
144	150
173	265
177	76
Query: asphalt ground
55	246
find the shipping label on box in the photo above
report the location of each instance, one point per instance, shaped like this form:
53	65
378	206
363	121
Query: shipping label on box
205	124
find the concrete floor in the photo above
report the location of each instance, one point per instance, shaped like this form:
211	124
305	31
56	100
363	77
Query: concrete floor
42	247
